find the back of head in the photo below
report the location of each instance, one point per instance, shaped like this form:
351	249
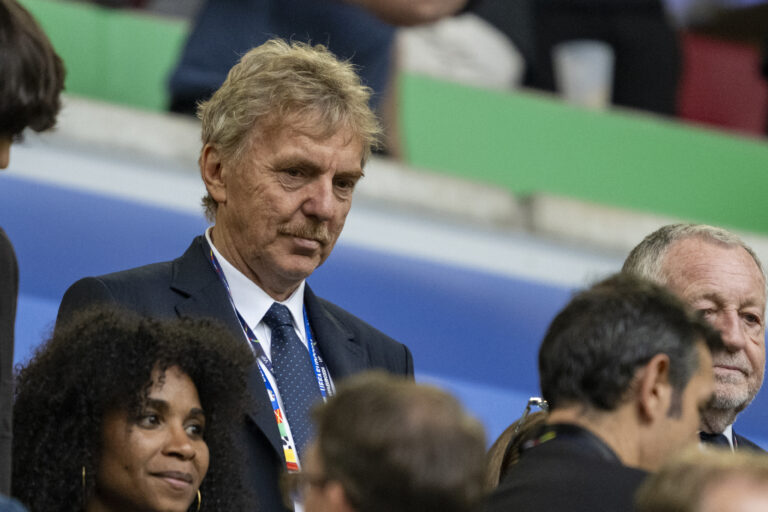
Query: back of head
595	345
32	74
689	482
100	362
396	445
505	451
647	258
279	84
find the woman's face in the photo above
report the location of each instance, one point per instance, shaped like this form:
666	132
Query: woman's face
154	462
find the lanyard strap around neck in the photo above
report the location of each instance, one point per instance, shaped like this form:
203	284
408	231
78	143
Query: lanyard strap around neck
321	370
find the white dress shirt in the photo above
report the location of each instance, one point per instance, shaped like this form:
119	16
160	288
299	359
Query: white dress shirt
728	433
252	303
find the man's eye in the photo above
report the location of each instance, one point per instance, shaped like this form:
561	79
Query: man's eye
345	184
752	319
293	173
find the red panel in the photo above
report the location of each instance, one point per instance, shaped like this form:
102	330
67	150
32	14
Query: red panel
721	85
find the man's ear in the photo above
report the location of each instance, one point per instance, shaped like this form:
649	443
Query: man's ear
654	391
337	497
212	169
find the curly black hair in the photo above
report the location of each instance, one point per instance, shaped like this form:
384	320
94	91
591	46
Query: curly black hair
101	361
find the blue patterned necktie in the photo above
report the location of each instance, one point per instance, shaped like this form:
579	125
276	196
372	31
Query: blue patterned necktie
292	368
714	439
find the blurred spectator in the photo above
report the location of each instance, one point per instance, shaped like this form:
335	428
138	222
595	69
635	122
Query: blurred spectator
386	444
465	49
624	369
178	8
31	78
645	44
707	481
359	30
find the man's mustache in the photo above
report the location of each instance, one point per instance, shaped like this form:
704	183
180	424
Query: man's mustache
317	232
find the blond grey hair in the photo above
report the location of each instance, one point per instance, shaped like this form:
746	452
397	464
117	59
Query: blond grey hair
279	82
680	485
647	258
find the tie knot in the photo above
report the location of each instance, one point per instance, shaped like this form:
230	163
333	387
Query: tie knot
716	439
277	315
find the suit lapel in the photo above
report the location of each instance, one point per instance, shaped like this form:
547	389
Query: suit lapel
204	296
742	443
341	352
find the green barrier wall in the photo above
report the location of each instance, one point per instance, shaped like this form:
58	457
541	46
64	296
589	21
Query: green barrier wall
524	142
531	143
114	55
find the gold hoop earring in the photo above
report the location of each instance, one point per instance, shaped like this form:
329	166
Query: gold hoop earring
199	500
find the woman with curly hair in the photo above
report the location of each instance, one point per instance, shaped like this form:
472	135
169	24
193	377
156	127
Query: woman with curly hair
118	413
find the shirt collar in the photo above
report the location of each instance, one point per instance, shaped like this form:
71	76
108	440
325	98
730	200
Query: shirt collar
728	433
251	301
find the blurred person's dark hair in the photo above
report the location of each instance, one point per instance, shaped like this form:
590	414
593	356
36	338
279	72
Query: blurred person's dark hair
506	450
594	346
397	445
687	481
31	73
100	362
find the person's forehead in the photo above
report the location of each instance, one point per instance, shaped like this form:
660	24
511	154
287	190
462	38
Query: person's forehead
300	143
702	264
308	123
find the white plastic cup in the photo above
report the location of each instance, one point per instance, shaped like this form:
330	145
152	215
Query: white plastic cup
584	72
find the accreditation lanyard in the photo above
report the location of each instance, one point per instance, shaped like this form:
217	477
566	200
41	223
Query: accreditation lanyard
321	370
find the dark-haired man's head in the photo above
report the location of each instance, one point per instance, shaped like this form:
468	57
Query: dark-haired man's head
32	76
385	443
718	275
626	360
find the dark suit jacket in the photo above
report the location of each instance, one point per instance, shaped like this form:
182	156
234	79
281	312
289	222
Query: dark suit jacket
742	443
189	287
562	475
9	287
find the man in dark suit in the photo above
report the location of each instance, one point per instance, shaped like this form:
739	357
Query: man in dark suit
285	139
719	275
624	369
32	80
